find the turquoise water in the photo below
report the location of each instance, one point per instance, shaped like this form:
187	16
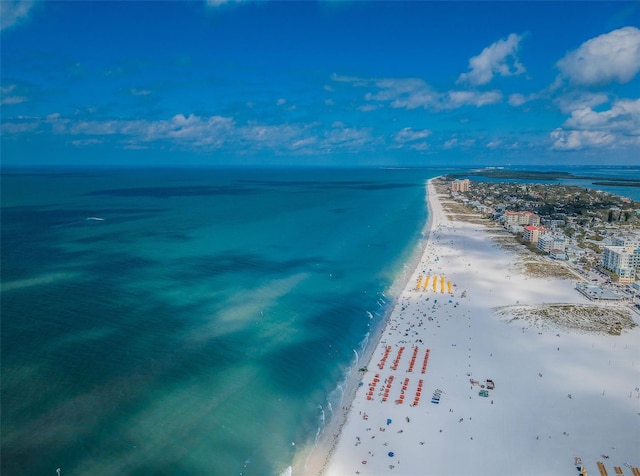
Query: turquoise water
189	321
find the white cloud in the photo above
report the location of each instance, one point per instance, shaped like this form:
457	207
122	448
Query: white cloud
13	100
346	138
577	140
457	99
577	100
624	116
19	127
302	143
518	99
191	129
407	93
203	133
259	136
86	142
408	134
9	95
413	93
500	144
451	143
500	58
14	11
613	56
454	142
419	146
616	127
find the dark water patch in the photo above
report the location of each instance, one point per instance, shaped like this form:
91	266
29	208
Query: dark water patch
39	217
339	315
173	192
319	185
238	262
340	211
166	235
58	173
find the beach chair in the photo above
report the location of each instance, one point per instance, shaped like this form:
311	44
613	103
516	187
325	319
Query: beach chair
602	469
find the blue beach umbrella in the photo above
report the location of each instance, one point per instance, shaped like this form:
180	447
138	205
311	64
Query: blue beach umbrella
390	454
388	421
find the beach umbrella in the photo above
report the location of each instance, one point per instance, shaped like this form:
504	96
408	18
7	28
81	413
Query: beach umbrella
388	421
390	454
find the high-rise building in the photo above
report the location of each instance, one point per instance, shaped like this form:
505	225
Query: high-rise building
622	260
460	185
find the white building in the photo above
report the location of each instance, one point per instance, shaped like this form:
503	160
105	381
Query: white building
622	260
628	241
548	243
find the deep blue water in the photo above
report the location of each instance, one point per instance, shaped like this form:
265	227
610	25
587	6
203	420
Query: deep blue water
189	321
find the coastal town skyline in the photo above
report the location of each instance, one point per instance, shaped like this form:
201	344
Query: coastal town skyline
320	83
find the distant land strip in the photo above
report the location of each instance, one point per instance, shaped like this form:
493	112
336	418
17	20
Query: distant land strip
550	175
619	183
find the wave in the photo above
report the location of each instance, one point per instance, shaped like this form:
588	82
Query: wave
287	472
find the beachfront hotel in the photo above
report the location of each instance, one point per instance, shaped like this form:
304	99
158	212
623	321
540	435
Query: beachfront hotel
532	233
548	243
460	185
622	260
521	218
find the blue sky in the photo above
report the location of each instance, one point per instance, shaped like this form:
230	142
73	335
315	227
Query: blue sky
320	83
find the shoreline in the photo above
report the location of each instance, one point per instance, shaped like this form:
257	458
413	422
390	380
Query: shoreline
452	335
313	461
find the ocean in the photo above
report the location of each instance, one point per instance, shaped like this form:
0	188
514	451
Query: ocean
192	321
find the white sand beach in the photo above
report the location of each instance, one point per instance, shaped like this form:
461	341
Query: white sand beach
559	393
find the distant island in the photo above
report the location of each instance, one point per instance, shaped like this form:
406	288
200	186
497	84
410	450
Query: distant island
548	175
